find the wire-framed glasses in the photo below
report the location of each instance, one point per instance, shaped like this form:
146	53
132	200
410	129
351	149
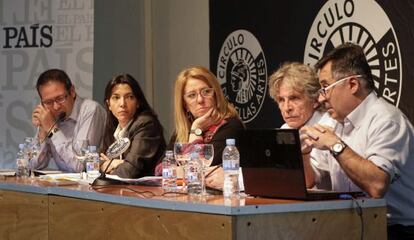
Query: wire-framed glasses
324	91
59	100
205	92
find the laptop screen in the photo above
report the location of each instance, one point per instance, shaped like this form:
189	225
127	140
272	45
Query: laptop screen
272	165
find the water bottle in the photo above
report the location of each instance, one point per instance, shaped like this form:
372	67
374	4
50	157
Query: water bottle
22	162
231	162
92	162
169	172
193	174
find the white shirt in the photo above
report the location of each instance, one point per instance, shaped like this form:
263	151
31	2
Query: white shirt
381	133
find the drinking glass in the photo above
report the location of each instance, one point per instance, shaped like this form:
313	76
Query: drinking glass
206	155
182	154
80	148
32	147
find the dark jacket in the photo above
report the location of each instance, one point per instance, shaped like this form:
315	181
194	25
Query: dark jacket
147	147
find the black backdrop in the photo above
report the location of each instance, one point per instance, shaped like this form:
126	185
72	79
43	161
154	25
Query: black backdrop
282	29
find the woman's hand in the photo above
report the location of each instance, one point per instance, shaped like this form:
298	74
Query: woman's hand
212	117
215	177
158	169
106	160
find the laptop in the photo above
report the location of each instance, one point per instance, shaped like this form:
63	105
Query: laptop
272	166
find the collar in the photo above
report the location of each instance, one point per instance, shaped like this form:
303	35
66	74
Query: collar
121	132
316	116
355	118
76	108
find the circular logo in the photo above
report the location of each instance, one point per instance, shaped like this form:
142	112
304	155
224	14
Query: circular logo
341	21
242	73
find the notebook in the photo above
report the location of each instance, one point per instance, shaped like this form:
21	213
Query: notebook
272	166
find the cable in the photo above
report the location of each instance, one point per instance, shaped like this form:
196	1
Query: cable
358	209
145	194
173	194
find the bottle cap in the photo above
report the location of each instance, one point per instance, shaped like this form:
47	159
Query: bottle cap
92	148
230	141
169	153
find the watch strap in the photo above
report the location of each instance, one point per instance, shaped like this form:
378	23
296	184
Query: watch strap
53	131
333	150
197	132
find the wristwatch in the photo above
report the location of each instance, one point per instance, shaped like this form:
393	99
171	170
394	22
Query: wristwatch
54	130
338	148
197	132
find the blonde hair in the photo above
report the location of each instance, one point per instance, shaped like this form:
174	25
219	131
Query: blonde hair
184	119
297	76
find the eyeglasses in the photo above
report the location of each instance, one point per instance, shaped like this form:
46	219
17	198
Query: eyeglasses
324	91
59	100
205	92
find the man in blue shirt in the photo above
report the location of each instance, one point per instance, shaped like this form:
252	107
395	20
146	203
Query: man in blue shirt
82	119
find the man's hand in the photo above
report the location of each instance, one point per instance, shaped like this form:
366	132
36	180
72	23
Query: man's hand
42	118
317	136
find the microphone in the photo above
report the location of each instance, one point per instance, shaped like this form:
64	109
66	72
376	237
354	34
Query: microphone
116	149
60	117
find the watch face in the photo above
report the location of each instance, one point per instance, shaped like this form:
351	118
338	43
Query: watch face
337	147
198	132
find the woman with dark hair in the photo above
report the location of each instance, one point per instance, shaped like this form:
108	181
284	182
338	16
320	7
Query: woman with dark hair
130	115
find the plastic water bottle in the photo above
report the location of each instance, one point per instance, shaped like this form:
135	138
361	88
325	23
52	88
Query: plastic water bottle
193	174
169	172
22	162
231	162
92	162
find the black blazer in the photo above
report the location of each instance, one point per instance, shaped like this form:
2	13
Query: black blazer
147	147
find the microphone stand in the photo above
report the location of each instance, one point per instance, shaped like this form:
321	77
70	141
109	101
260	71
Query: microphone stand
113	151
102	180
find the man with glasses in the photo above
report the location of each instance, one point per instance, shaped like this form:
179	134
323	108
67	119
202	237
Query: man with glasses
371	148
63	117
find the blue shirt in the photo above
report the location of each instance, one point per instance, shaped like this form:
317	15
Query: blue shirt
86	121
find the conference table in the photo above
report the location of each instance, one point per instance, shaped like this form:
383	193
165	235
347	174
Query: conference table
31	208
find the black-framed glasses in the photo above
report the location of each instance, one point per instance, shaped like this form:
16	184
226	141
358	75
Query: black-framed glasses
59	100
324	91
205	92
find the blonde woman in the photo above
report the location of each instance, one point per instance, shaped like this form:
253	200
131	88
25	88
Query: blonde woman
202	114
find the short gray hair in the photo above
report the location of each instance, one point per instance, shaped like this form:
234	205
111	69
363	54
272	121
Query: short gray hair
297	76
